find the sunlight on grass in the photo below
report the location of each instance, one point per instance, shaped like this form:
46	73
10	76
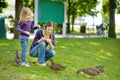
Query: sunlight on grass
74	53
94	44
3	44
62	47
33	76
103	54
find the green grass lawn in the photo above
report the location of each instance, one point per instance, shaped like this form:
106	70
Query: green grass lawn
73	53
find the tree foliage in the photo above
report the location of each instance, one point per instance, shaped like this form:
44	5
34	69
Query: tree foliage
3	4
105	12
109	8
112	7
118	6
29	3
86	6
74	8
78	8
18	7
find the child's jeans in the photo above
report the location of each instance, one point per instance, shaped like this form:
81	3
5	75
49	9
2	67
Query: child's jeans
41	52
24	45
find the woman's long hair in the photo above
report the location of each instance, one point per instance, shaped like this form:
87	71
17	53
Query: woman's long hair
49	24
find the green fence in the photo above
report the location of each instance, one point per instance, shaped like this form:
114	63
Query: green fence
2	28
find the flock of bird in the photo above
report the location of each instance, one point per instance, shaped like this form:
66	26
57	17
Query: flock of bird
58	67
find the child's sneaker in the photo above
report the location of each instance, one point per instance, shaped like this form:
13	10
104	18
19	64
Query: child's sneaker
41	64
25	64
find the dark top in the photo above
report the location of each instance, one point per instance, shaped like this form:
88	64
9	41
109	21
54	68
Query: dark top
39	35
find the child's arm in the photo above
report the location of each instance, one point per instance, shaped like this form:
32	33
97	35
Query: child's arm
35	27
19	29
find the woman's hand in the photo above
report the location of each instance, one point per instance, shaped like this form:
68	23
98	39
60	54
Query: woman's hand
42	39
48	40
50	43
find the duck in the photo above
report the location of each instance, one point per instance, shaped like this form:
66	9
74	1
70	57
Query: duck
100	68
56	67
92	71
17	59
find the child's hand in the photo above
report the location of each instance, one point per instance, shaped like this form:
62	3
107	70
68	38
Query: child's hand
38	26
27	33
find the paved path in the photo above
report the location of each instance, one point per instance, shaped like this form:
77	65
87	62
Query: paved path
10	36
83	36
78	36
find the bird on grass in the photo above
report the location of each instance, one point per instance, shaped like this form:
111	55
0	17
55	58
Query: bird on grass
17	59
92	71
56	67
100	68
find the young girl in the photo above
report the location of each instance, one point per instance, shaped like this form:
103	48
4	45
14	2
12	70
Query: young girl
24	27
42	39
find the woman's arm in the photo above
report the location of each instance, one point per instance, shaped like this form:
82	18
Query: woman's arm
37	37
52	46
50	43
41	39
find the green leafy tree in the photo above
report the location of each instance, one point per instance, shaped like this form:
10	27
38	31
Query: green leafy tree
108	10
29	3
73	13
105	12
3	4
74	8
18	6
78	8
118	6
112	7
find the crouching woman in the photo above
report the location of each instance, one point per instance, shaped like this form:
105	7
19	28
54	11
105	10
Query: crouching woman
42	39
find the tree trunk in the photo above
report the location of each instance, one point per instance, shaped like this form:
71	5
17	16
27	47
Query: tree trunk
73	18
112	6
68	17
18	7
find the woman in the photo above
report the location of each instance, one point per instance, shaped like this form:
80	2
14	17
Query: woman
42	39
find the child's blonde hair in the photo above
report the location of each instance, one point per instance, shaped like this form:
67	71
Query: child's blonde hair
26	14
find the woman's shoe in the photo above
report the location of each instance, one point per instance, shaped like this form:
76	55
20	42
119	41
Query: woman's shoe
41	64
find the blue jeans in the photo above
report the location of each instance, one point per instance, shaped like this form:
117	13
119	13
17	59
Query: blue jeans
41	52
24	45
